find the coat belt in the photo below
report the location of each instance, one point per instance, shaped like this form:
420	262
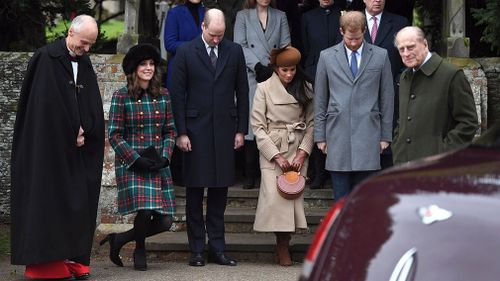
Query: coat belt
287	133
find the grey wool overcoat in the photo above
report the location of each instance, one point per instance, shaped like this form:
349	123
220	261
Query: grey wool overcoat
257	43
353	114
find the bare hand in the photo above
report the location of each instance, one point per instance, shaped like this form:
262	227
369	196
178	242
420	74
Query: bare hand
183	143
383	145
239	140
282	162
322	146
298	160
80	139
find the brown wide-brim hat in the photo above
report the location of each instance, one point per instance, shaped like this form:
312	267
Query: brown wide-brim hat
287	56
138	53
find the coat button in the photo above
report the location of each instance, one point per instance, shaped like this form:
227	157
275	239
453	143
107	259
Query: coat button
251	45
141	113
139	100
157	112
408	118
408	140
142	137
141	126
157	137
412	96
157	124
154	100
274	46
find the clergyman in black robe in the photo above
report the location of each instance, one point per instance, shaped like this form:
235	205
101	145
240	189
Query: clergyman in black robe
57	157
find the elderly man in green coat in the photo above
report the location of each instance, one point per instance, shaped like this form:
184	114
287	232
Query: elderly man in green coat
436	109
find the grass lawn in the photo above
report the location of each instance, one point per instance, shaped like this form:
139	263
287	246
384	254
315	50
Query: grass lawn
112	29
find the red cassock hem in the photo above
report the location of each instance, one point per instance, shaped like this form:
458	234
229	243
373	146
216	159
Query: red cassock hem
56	270
49	270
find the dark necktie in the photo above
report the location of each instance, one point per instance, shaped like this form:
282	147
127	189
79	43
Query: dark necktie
354	64
213	56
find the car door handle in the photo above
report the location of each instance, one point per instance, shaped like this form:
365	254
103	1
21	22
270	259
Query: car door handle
405	268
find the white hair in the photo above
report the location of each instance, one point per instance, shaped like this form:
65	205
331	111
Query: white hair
79	21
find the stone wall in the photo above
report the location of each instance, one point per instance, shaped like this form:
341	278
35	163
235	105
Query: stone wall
110	76
491	67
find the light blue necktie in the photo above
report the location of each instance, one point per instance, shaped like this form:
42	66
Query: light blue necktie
354	64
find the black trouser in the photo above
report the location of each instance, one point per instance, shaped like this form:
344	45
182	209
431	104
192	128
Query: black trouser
252	168
216	206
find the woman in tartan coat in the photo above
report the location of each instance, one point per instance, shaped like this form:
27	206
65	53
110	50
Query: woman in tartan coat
142	133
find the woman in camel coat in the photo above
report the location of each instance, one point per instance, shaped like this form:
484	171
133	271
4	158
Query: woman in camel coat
282	121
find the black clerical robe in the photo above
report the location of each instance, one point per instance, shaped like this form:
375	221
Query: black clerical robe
55	185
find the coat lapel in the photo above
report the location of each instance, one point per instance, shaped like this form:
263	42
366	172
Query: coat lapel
367	34
202	53
384	27
271	24
366	56
222	58
61	53
341	56
255	23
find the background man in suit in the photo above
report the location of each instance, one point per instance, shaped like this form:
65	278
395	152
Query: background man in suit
353	105
382	29
209	73
320	30
437	109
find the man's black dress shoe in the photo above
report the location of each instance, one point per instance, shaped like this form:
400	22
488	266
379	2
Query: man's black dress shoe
221	259
196	259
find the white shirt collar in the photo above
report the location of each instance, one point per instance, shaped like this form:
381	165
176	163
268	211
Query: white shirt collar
359	51
207	47
427	58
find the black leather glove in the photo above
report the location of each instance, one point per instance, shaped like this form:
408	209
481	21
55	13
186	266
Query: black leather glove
142	164
162	163
262	73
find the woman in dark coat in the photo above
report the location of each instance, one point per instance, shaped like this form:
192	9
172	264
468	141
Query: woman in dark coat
183	24
142	133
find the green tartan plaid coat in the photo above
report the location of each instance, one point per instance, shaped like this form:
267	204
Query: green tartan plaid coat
133	126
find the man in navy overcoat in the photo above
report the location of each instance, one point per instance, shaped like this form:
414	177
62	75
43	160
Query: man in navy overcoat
210	102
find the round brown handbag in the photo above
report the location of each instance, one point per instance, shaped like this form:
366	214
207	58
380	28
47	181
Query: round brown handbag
291	185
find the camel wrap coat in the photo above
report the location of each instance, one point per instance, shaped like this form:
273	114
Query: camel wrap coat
280	126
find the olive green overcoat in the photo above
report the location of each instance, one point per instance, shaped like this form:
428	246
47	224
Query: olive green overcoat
437	112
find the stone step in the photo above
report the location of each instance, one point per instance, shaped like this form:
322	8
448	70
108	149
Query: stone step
239	197
242	246
240	219
314	200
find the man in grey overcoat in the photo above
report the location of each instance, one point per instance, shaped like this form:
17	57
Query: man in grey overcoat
353	105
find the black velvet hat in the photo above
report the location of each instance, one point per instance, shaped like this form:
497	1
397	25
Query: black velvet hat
138	53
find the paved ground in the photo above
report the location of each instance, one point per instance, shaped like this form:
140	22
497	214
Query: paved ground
104	270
